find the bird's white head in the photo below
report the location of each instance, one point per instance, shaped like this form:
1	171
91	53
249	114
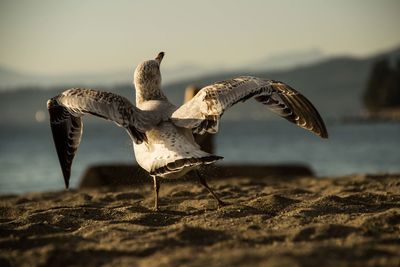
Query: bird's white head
147	79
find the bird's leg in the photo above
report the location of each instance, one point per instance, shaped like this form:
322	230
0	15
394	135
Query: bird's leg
203	181
156	189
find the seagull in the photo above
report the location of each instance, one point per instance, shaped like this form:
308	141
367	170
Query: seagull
162	133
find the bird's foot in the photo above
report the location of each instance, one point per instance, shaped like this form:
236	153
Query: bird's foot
156	209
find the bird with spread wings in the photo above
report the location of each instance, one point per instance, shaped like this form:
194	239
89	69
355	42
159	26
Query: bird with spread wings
162	133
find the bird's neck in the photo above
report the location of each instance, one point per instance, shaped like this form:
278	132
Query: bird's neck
148	93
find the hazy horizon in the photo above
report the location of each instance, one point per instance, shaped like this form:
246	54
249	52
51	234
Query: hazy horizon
69	37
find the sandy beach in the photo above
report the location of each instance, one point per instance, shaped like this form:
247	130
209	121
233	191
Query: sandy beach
272	221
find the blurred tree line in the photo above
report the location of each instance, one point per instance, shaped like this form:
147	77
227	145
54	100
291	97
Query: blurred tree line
383	88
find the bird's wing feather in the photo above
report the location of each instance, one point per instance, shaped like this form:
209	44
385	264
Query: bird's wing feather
67	132
67	109
109	106
202	113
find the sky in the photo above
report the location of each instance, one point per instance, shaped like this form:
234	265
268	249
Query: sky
89	36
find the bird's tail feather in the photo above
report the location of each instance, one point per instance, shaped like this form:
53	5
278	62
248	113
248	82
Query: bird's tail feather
180	164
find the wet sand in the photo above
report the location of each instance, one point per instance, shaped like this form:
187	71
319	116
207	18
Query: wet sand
274	221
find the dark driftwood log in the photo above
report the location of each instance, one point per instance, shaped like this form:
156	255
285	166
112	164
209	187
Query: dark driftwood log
116	175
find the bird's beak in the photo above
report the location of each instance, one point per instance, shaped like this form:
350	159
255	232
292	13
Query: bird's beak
160	57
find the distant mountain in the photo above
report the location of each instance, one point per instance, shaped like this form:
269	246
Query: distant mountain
288	60
334	85
184	71
10	79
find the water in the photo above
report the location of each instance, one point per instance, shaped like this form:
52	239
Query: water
28	160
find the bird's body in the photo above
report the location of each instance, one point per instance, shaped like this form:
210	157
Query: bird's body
162	133
170	151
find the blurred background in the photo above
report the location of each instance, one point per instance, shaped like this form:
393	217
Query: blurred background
343	55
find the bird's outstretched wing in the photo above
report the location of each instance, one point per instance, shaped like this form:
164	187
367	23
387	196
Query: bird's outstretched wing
202	113
67	109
